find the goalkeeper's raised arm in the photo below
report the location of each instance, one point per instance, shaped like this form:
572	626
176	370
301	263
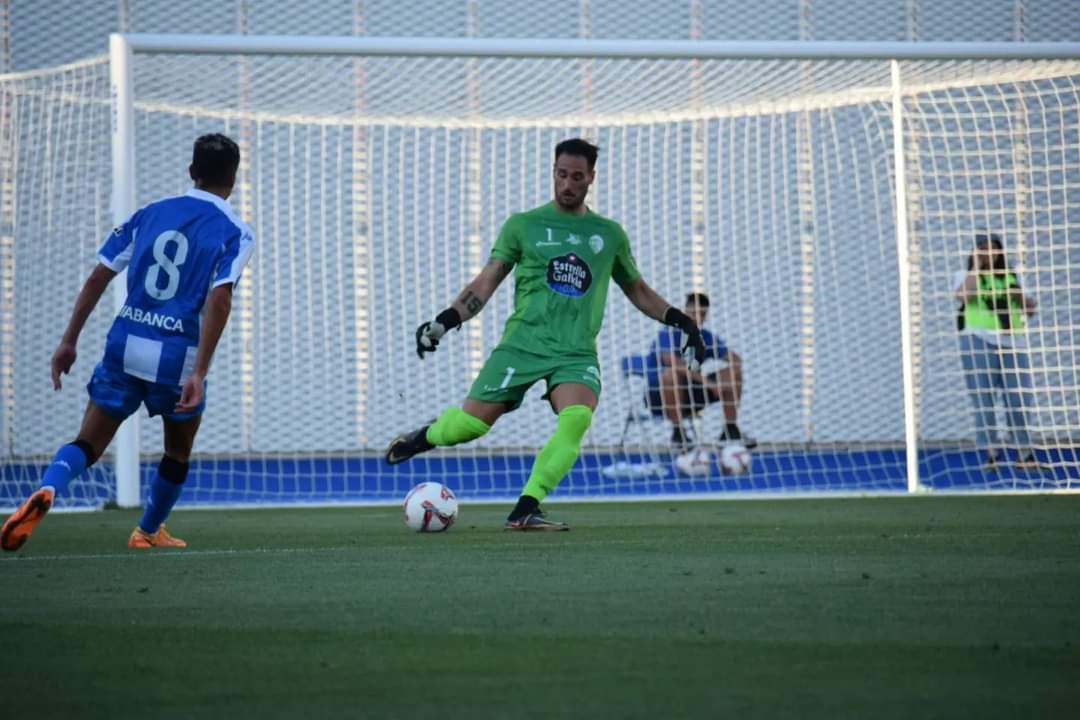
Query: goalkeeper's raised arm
469	303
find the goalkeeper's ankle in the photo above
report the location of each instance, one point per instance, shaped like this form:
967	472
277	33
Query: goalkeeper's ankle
416	442
526	505
422	444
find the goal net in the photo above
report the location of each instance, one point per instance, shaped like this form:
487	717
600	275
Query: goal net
376	187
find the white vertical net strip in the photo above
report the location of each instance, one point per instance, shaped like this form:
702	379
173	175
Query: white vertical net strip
54	212
376	187
996	150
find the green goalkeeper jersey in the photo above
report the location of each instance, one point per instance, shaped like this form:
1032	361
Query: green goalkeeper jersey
563	263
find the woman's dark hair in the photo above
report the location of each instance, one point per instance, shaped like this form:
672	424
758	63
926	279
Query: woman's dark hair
993	240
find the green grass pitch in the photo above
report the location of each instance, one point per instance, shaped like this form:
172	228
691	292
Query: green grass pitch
921	607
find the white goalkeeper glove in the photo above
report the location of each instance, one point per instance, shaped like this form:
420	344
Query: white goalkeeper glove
429	333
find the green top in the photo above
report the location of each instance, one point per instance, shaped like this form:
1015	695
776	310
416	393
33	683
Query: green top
563	265
988	310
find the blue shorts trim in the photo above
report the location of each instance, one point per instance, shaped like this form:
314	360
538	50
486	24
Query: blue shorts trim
120	395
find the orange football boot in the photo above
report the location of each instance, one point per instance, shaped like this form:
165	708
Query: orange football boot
142	540
21	524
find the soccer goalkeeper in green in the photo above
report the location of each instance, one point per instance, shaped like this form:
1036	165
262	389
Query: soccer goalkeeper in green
564	255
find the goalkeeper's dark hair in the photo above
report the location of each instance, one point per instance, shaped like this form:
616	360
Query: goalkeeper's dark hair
214	160
580	148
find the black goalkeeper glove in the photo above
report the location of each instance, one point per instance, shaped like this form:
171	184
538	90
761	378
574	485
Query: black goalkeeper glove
694	350
429	333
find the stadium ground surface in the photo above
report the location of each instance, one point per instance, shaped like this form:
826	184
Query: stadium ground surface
879	607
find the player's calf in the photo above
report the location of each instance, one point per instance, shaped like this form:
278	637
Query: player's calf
454	427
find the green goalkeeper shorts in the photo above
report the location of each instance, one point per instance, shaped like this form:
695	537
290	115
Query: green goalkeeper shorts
508	374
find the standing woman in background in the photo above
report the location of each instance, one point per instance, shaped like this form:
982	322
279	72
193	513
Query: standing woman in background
992	318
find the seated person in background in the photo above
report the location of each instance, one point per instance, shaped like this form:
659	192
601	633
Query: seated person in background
676	392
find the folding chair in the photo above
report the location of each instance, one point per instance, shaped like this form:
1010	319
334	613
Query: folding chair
636	366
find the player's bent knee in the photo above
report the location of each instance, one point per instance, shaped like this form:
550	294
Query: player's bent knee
173	471
88	450
574	421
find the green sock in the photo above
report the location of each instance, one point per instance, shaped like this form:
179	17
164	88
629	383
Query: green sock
560	453
455	426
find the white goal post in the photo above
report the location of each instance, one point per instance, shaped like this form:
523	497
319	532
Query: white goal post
823	194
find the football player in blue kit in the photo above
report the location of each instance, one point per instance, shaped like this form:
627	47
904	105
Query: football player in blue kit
183	257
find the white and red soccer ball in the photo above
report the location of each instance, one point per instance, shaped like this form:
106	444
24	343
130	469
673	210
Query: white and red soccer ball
430	507
696	462
734	459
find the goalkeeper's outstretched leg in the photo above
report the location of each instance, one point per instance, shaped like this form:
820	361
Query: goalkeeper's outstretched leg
454	427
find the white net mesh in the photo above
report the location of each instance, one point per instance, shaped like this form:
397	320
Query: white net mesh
30	36
54	210
376	188
999	158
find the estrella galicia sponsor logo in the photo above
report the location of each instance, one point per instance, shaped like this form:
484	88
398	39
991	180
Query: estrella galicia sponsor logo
569	275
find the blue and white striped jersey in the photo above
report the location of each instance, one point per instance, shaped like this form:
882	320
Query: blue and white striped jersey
175	251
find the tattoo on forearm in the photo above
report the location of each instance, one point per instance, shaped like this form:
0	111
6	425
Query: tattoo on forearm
472	302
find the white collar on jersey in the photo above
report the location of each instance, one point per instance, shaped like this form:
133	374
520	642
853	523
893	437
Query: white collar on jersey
210	197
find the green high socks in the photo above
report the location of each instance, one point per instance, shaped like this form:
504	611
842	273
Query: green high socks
455	426
560	453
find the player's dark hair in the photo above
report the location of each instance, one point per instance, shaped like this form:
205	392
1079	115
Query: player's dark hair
214	160
580	148
697	298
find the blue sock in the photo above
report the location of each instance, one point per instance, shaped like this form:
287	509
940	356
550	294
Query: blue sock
67	464
164	491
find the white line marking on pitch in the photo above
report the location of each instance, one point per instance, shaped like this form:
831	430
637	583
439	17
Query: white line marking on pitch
173	554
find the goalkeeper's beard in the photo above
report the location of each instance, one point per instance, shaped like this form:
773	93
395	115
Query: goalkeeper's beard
569	202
